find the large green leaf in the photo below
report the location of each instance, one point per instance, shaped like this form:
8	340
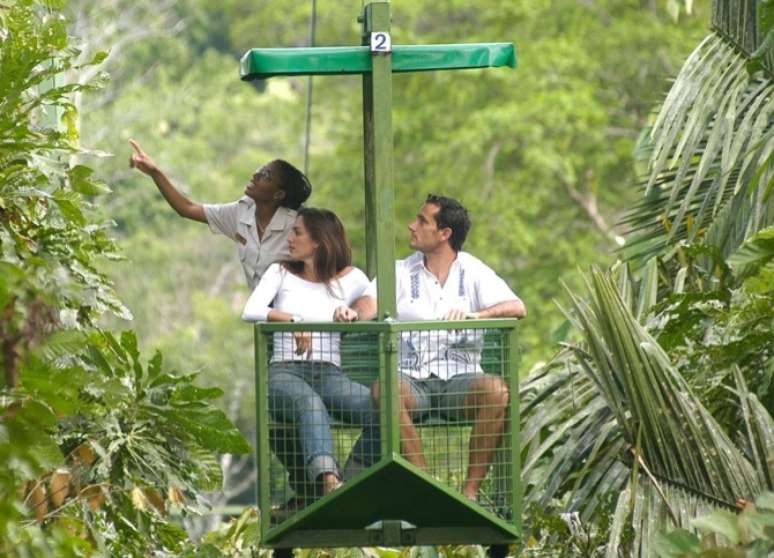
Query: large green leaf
82	182
757	251
209	427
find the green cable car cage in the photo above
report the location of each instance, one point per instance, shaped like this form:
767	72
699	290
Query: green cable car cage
389	497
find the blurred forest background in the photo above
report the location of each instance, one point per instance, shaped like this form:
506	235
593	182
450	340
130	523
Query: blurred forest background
654	411
544	156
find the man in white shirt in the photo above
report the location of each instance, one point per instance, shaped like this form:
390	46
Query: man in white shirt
259	222
441	369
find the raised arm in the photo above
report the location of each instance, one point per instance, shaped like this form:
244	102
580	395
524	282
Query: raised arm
180	203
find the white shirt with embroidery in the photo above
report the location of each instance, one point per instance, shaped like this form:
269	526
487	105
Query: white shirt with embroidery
313	302
236	220
471	286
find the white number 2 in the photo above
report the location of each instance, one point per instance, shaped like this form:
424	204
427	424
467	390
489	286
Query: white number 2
381	42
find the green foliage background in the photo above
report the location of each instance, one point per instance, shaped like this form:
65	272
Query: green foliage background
543	156
547	158
96	444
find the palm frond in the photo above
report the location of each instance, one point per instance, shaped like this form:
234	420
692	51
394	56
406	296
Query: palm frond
710	146
654	507
759	428
570	442
614	416
643	511
678	438
746	23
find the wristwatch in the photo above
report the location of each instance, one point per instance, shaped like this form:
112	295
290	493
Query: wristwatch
295	318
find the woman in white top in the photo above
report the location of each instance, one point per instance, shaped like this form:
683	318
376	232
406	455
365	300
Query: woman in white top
306	384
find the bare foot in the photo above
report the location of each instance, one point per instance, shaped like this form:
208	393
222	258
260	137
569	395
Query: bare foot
330	482
470	492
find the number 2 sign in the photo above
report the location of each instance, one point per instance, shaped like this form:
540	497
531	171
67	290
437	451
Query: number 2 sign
381	42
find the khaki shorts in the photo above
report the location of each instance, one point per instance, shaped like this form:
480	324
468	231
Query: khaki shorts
444	398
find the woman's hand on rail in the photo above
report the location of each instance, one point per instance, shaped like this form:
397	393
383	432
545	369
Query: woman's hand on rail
303	343
344	314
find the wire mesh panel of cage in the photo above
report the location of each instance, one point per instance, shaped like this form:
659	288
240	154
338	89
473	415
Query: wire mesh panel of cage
455	391
319	402
338	401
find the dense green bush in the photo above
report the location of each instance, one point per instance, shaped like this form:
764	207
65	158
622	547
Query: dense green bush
98	447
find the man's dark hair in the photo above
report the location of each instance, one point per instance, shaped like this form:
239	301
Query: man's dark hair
453	215
294	183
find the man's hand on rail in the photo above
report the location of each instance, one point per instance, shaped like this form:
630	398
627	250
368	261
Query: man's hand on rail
365	306
344	314
303	343
455	314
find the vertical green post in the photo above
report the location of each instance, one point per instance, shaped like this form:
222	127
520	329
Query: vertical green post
514	357
262	453
389	396
380	212
377	140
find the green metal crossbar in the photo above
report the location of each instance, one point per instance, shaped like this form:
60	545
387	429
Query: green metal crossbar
261	63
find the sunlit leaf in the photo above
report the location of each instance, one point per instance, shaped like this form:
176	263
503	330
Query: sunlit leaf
720	521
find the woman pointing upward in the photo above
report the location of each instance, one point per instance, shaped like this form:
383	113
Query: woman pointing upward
259	222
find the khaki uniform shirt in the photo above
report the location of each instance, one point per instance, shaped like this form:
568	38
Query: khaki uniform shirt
236	220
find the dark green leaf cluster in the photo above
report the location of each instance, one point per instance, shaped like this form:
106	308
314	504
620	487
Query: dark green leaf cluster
666	400
98	447
49	244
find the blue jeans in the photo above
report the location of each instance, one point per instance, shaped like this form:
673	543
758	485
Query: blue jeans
310	393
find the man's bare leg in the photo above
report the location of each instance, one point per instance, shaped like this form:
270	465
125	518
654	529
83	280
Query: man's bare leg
410	440
486	404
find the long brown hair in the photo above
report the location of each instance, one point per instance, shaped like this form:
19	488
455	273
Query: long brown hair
333	252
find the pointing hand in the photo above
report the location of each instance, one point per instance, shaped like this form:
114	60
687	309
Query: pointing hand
140	160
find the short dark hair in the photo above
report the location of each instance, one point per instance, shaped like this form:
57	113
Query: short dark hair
294	183
453	215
